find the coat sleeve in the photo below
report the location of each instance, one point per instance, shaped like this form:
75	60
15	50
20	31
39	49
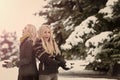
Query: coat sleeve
42	55
25	54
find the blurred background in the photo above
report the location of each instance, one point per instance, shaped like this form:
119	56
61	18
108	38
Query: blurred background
85	30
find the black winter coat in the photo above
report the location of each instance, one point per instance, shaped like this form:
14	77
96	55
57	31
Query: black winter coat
47	65
27	63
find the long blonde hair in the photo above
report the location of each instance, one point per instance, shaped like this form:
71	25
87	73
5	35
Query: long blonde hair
30	32
50	46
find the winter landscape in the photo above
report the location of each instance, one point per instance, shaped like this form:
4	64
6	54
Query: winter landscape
77	73
87	32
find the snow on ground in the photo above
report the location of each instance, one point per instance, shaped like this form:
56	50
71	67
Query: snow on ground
78	72
78	68
71	78
8	73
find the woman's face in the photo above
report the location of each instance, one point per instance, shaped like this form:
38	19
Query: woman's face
46	34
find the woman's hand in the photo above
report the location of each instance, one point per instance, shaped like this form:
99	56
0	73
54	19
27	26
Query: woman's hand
8	64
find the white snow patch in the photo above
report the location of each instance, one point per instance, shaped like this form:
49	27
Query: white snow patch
79	31
98	38
108	10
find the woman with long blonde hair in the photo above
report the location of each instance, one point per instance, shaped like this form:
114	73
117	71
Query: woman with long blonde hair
47	51
27	60
48	42
29	31
27	63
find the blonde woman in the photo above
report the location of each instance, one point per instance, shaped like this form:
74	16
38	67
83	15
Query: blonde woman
27	62
46	51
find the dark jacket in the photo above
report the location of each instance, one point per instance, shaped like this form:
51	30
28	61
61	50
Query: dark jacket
27	63
47	65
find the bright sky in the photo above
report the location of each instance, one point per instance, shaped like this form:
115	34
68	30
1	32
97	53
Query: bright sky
15	14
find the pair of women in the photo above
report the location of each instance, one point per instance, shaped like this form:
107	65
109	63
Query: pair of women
44	48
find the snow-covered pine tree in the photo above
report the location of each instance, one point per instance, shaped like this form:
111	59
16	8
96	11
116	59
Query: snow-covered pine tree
8	45
110	55
108	21
68	14
79	28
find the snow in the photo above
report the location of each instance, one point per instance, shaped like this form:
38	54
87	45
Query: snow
108	9
111	2
90	58
78	68
8	73
1	39
95	41
98	38
5	45
68	23
80	30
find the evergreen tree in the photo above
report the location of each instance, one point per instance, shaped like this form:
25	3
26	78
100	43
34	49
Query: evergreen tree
110	55
107	60
77	21
65	15
8	45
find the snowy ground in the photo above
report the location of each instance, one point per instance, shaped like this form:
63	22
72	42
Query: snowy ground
76	73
